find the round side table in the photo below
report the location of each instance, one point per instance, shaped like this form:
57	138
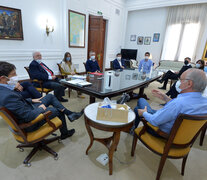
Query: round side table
111	143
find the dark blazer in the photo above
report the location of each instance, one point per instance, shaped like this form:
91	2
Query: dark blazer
92	66
116	64
184	68
37	72
23	109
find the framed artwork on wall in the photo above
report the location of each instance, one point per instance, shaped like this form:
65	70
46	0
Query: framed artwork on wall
204	57
133	38
140	40
77	26
156	37
147	40
10	23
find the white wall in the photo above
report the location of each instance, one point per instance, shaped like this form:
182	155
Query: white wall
53	47
146	23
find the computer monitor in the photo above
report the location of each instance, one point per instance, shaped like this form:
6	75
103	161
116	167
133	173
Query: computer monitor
129	54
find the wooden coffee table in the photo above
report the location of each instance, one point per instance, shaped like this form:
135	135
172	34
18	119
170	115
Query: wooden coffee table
111	143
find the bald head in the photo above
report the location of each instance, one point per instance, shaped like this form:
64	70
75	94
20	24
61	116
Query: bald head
36	55
198	78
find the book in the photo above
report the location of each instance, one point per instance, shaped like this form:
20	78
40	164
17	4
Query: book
79	82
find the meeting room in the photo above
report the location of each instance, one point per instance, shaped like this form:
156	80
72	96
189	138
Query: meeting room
103	89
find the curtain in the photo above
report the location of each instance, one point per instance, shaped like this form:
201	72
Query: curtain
184	30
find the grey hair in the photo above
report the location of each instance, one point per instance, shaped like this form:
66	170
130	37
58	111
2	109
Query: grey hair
33	54
199	79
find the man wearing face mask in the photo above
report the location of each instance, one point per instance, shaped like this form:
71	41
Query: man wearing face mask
38	70
26	110
171	75
92	64
190	101
146	64
118	63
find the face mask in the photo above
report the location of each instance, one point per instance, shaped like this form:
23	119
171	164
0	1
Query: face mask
93	57
39	60
67	58
185	62
177	86
198	66
205	69
13	80
118	58
146	57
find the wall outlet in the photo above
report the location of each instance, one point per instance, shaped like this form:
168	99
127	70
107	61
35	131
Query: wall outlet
103	159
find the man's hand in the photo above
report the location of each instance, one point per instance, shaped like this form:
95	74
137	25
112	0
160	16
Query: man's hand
37	100
141	111
18	87
53	77
42	106
122	67
160	95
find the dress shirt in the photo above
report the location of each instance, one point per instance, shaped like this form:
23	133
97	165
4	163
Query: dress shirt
191	103
146	65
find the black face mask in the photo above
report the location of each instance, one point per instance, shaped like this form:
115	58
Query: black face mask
185	62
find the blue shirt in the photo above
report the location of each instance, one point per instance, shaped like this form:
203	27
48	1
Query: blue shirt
145	65
11	87
191	103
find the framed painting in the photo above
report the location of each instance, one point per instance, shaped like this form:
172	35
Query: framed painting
147	40
10	23
204	57
77	26
156	37
140	40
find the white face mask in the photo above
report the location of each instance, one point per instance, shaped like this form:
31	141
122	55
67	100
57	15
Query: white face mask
13	80
177	86
93	57
146	57
118	58
39	60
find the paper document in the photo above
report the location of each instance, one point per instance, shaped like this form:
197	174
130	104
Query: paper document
79	82
76	77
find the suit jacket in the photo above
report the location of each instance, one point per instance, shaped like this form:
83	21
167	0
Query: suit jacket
184	68
116	64
37	72
23	109
92	66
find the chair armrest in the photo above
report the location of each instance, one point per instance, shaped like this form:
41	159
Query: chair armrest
47	114
157	130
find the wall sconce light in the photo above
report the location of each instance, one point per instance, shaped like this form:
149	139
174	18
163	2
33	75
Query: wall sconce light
49	28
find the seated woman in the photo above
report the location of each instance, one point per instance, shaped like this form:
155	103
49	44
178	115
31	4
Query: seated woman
68	68
172	92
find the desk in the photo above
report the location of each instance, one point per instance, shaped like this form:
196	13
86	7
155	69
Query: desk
111	143
126	81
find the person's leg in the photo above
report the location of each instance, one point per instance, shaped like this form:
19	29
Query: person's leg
29	91
59	90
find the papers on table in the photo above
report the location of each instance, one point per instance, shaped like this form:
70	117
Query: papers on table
79	82
76	77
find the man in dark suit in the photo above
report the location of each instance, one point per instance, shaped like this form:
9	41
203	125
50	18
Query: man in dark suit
176	75
26	110
38	70
119	63
92	64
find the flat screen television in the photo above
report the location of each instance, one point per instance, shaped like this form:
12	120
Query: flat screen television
129	54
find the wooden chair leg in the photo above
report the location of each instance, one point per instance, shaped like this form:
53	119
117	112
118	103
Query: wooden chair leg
134	144
202	136
183	165
69	92
161	165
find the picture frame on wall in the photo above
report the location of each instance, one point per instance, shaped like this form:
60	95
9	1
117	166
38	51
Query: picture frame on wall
156	37
147	40
77	26
133	37
204	57
140	40
10	23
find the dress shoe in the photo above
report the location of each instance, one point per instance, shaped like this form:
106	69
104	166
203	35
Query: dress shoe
63	100
69	134
73	116
162	88
160	81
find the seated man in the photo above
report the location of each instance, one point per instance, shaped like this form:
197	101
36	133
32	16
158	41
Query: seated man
118	63
92	64
40	71
146	64
189	101
175	76
26	110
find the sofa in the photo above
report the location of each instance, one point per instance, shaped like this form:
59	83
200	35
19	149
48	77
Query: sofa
165	65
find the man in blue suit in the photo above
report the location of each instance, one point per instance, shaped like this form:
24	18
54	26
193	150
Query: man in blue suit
38	70
26	110
92	64
119	63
